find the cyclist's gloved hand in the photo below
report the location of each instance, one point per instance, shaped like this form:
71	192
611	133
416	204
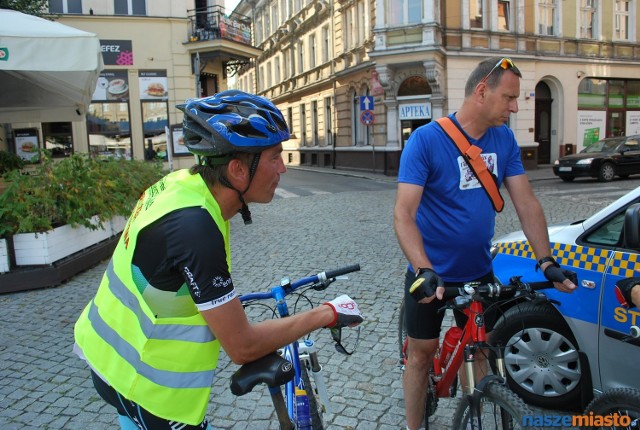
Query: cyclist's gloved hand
345	312
567	279
425	284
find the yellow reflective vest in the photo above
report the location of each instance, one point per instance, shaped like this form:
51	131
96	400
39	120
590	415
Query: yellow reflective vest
166	365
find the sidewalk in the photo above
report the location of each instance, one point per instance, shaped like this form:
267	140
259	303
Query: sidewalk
543	172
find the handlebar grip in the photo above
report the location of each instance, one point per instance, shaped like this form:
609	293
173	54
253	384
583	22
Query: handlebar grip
540	285
342	271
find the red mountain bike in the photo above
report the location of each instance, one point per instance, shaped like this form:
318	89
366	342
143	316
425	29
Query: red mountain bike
489	403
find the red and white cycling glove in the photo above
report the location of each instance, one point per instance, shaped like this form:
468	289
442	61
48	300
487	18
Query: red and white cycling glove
345	312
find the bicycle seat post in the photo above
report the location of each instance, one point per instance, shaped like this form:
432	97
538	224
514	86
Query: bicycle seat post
281	408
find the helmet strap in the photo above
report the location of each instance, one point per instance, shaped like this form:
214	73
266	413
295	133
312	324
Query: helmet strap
244	210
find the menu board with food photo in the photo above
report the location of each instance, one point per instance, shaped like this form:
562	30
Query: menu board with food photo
27	146
112	85
153	84
177	139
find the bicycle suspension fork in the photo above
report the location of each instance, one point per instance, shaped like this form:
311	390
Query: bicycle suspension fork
307	351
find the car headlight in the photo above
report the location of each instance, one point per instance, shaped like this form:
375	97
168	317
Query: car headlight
556	162
585	161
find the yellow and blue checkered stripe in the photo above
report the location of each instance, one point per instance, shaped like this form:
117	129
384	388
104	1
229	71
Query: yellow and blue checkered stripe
623	264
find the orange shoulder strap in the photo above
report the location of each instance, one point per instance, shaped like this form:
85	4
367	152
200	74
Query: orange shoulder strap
471	154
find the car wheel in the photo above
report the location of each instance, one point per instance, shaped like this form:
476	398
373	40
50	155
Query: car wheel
567	178
607	172
540	355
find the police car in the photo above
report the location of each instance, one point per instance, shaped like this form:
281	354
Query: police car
559	353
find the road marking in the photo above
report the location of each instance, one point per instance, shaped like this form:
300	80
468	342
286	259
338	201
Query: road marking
582	190
285	194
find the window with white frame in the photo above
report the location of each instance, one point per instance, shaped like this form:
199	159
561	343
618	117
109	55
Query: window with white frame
274	18
328	134
547	17
314	123
347	29
504	15
403	12
129	7
326	46
300	58
277	69
312	51
303	125
258	24
261	79
476	14
361	25
65	6
622	20
267	24
269	75
588	19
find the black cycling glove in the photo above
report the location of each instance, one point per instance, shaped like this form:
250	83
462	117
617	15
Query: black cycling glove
425	284
555	273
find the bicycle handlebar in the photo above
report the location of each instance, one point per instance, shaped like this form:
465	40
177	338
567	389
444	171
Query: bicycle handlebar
496	290
322	279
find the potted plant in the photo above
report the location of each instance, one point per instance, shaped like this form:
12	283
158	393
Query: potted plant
63	206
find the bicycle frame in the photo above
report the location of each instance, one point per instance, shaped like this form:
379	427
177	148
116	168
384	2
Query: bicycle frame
298	353
473	334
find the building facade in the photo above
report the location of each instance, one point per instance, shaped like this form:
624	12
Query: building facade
156	55
355	77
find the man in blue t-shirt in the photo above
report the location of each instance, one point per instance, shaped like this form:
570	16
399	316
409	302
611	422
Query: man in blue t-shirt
444	220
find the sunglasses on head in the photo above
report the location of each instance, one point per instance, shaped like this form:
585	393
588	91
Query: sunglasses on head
505	63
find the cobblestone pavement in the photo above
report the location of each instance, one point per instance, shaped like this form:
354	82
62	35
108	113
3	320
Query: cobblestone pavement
44	386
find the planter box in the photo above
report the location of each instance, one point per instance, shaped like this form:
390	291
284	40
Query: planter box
4	256
49	247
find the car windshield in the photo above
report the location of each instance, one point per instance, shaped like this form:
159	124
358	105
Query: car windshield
602	146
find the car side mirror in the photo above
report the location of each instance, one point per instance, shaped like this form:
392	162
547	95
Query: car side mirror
632	226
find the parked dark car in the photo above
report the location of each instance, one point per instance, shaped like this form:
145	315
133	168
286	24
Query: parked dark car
604	160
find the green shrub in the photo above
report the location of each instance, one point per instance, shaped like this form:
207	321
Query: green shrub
71	191
10	161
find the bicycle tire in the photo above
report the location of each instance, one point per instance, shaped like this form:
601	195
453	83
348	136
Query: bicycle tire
315	411
623	401
402	332
496	401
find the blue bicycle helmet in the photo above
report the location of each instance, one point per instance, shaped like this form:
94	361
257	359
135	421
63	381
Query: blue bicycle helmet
232	121
217	127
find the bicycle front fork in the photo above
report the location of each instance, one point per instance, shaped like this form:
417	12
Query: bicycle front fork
473	392
307	352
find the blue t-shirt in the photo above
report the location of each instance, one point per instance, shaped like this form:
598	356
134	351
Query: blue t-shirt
455	215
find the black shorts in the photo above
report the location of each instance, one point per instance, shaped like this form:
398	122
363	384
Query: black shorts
143	418
423	321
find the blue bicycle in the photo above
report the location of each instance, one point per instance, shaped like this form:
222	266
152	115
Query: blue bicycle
302	405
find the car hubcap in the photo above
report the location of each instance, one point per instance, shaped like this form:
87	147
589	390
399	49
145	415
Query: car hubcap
607	173
543	362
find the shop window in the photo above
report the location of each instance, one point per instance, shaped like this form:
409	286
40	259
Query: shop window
615	90
633	94
592	93
109	130
58	138
155	119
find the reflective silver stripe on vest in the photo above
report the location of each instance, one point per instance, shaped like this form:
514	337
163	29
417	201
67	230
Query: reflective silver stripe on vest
185	333
167	378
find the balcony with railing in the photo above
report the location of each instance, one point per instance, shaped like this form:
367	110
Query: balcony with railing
212	23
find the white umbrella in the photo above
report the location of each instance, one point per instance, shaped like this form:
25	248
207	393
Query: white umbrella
48	70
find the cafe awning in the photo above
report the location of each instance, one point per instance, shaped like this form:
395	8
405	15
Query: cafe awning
48	70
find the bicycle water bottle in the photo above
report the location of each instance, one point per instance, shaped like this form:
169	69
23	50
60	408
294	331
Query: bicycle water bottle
451	339
302	409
